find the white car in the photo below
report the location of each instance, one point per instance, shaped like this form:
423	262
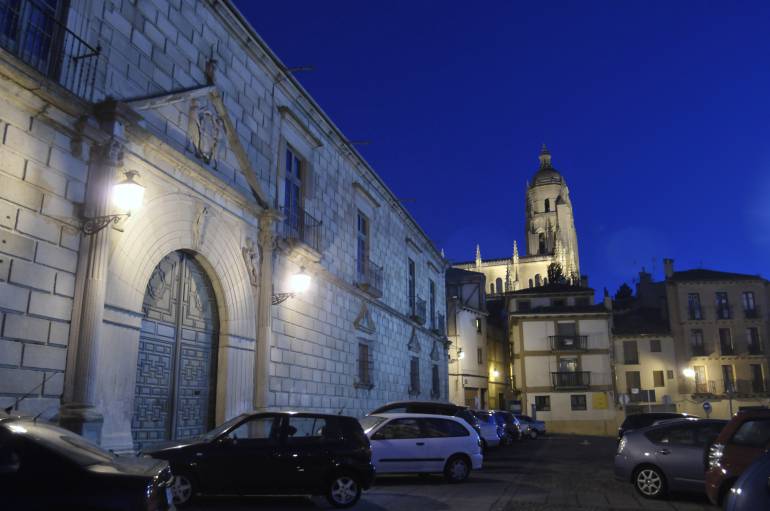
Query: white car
491	432
423	444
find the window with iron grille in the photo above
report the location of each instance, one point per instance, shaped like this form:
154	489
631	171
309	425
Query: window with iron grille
435	391
723	305
414	376
654	345
543	403
657	378
365	366
693	306
578	402
362	244
411	284
292	199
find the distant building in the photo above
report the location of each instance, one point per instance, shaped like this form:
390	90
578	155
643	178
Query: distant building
719	322
562	357
549	234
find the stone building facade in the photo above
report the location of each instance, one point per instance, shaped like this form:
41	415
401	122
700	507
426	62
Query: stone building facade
133	329
549	233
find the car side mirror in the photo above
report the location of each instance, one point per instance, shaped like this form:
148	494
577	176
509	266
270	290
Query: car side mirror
227	440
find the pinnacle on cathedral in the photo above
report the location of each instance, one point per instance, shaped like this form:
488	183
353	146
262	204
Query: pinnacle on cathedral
478	255
545	158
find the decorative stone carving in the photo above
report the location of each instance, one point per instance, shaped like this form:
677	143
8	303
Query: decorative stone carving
414	342
364	321
435	352
199	226
206	131
111	152
251	257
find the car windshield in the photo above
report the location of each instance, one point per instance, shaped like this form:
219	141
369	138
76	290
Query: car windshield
369	422
65	443
211	435
500	419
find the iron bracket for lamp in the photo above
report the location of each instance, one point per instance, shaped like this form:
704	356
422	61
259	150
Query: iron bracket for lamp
96	224
281	297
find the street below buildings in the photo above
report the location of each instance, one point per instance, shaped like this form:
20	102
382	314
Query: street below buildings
569	473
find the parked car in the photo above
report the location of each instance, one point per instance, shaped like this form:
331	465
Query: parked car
744	439
531	427
492	433
666	457
276	453
45	467
752	490
433	408
423	444
511	426
642	420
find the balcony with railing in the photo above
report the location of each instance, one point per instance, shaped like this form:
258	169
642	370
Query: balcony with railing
698	350
369	278
568	342
724	312
726	348
571	379
740	387
642	396
35	34
755	348
299	226
694	313
751	313
418	312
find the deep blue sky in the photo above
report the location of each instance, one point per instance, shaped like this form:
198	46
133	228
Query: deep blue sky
656	113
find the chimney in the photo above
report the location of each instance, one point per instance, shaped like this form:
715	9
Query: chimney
583	280
668	267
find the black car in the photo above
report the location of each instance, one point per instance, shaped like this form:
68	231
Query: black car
274	453
432	408
642	420
510	424
46	467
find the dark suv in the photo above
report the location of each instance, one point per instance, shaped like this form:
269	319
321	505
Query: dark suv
642	420
275	453
432	408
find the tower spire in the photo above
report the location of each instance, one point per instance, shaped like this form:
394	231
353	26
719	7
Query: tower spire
545	158
478	256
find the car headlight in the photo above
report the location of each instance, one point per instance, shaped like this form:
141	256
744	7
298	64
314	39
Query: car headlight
621	445
716	452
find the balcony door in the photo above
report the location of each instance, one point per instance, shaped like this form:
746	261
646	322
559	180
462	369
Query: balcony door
293	191
568	364
29	29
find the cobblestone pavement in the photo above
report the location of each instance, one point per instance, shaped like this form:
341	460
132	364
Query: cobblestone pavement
553	473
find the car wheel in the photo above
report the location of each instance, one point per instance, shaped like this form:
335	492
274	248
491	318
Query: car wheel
182	489
533	434
457	469
650	482
344	490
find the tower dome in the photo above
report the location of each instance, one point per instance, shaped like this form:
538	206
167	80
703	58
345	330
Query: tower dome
546	174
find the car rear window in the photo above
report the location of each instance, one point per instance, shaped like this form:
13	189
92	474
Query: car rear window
753	433
646	419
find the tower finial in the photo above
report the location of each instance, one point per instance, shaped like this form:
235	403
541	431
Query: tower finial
478	255
545	157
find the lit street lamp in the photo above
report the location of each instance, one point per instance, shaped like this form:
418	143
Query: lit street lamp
298	283
126	195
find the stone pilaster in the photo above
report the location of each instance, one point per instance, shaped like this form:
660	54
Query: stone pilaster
267	242
79	412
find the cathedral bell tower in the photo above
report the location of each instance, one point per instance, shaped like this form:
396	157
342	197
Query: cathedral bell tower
550	225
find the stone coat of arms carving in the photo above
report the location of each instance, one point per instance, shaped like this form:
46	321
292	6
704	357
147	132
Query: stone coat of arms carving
206	131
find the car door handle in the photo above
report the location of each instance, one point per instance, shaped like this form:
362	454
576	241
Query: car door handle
420	443
664	451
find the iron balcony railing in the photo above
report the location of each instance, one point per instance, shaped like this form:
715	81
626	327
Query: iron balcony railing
751	313
568	342
738	387
571	379
724	311
36	35
642	396
369	277
299	225
726	348
755	348
694	313
698	350
418	312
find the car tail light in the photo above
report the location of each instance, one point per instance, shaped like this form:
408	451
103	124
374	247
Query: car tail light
715	455
621	445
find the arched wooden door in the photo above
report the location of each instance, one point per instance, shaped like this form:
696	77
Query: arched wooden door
176	365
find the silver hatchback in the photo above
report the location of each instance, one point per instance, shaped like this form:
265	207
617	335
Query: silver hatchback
669	456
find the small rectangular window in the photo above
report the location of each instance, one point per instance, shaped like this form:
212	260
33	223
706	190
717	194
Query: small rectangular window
364	365
543	403
362	245
435	383
630	352
414	376
432	286
657	378
578	402
670	374
411	284
478	325
480	355
654	345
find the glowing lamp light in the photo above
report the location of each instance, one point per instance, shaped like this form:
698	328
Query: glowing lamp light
495	373
299	282
688	372
128	194
460	354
